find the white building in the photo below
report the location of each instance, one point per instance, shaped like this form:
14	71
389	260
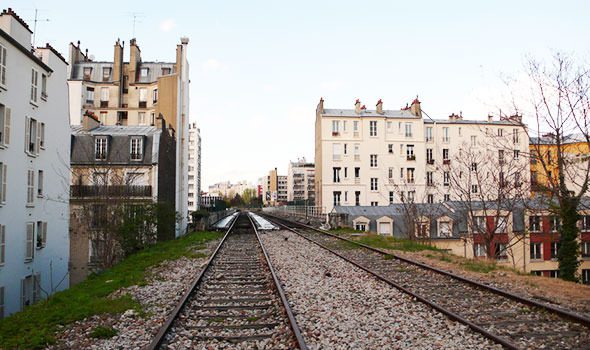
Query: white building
34	171
229	190
377	157
194	167
301	182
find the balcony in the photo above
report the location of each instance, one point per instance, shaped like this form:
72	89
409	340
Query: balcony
142	104
122	191
335	133
446	161
411	157
430	161
104	104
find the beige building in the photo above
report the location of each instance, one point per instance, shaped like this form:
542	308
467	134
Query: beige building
274	188
135	93
301	182
229	190
380	157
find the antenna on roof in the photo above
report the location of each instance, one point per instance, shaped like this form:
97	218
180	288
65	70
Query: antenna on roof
136	16
35	24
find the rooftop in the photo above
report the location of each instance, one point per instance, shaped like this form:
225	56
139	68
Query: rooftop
115	130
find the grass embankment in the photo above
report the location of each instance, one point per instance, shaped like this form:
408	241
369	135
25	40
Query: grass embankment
36	325
406	245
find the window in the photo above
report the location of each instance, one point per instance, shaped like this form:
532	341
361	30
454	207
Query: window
30	290
336	151
390	148
408	129
357	172
585	248
474	166
373	160
430	198
473	141
41	234
536	251
410	152
44	86
136	149
346	173
501	224
40	183
445	228
355	128
390	174
501	251
501	155
446	178
357	198
32	137
34	85
30	186
142	98
41	135
155	96
2	244
336	175
106	73
429	158
100	148
429	178
374	204
3	182
428	134
411	196
90	95
357	156
479	224
446	197
554	273
516	154
335	127
445	154
4	125
554	223
515	135
586	276
500	132
29	241
104	96
534	223
410	175
473	188
336	195
166	70
144	72
87	71
344	125
2	66
374	186
372	128
554	249
345	148
479	250
446	137
360	226
391	197
141	118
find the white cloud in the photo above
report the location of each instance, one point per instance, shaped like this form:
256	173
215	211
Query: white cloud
167	25
213	65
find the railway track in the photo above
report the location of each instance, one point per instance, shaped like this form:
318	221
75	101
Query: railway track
236	302
506	318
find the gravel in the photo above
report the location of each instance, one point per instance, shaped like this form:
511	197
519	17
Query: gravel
340	306
158	297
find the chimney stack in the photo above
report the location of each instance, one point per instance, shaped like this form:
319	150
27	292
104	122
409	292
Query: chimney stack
134	60
490	118
320	108
357	106
379	107
415	108
89	121
117	61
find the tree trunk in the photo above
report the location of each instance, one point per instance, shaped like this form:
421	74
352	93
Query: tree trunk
569	248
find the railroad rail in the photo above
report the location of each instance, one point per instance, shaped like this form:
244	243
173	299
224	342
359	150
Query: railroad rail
236	301
508	319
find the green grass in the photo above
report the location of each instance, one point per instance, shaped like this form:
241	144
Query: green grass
35	327
103	332
388	242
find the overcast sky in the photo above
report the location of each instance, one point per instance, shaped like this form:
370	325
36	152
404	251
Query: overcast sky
258	68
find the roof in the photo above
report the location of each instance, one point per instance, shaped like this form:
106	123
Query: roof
154	71
471	121
25	51
549	139
389	113
133	130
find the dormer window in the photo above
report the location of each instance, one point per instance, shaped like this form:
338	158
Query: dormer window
144	72
136	148
100	147
106	73
87	73
166	70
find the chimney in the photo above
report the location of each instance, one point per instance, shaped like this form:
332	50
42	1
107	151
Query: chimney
89	121
490	118
134	60
516	118
379	107
117	61
357	106
415	108
320	108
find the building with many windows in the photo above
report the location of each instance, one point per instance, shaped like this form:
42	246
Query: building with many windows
34	174
301	182
381	157
194	167
274	188
136	92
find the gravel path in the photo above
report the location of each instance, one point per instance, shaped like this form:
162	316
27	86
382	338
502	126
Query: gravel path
158	297
339	306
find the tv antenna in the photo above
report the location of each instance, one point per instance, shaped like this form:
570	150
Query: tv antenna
136	19
37	19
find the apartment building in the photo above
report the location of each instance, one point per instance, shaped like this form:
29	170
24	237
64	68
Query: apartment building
301	182
229	190
115	170
274	187
34	174
381	157
194	167
136	92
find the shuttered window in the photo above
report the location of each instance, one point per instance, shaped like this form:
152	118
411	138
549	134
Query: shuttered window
30	186
2	244
41	234
3	180
2	66
32	136
40	183
34	84
29	241
4	126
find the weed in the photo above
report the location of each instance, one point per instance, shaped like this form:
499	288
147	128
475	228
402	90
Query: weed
103	332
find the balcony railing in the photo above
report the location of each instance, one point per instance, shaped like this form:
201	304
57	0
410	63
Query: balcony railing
446	161
411	157
86	191
430	161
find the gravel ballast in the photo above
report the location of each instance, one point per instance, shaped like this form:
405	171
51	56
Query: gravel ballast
338	305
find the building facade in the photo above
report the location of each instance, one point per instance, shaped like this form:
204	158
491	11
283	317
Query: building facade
274	187
229	190
136	93
34	174
115	170
301	182
380	157
194	167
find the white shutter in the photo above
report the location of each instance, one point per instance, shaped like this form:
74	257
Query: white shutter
3	179
38	134
7	126
30	239
2	244
42	134
44	233
27	134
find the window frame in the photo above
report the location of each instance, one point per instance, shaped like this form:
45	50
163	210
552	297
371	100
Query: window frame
30	188
3	53
34	97
136	146
101	143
